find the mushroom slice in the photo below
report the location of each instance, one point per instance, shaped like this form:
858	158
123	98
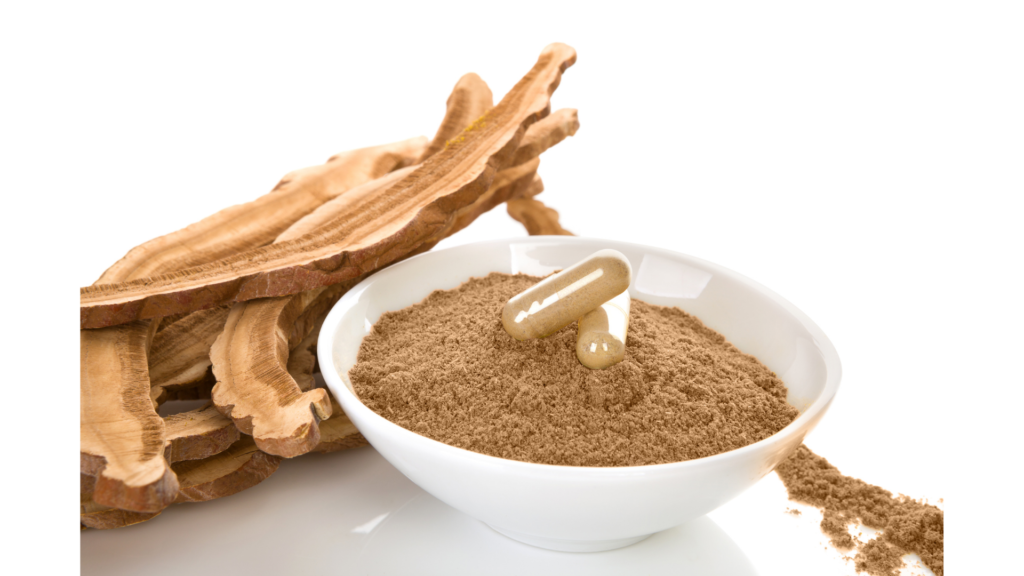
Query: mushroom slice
373	233
239	467
469	100
93	515
198	434
180	355
122	437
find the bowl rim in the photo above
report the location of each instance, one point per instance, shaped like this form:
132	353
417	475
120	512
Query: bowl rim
833	368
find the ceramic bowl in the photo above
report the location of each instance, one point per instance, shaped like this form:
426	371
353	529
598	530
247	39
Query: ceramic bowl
586	508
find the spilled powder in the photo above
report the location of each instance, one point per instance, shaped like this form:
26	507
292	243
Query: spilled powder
446	369
907	526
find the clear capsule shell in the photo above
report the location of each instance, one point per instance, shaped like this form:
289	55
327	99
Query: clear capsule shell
601	334
559	300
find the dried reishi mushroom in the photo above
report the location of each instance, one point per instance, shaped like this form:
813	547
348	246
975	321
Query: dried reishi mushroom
198	434
91	515
253	385
88	484
120	430
510	183
539	137
547	132
180	355
467	171
122	436
373	234
259	222
468	101
190	435
240	467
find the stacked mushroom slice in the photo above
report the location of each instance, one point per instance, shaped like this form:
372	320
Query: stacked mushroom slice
228	309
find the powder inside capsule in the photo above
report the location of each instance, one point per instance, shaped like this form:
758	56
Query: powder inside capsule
445	368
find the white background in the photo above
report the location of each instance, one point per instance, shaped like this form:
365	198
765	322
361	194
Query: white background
862	160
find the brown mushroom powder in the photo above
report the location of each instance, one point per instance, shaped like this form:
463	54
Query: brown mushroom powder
907	525
446	369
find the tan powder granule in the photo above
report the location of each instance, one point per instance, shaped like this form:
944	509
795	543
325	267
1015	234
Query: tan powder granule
907	526
446	369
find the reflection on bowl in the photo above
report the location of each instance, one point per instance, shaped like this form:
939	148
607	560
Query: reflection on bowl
582	508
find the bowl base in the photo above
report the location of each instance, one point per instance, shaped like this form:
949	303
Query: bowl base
562	545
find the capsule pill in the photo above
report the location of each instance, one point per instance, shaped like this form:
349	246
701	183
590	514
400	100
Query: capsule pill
601	334
559	300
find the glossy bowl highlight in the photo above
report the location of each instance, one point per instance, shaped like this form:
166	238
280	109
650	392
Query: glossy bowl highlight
582	508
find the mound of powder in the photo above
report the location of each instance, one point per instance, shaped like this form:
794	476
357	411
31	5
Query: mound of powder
445	368
907	526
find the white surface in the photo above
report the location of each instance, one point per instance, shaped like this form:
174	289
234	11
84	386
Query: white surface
355	514
862	159
580	508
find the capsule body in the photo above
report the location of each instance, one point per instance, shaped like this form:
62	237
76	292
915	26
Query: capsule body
601	334
557	301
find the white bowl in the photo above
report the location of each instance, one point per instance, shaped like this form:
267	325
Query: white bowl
582	508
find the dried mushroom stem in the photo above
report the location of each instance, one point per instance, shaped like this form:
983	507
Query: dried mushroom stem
536	217
240	467
371	235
